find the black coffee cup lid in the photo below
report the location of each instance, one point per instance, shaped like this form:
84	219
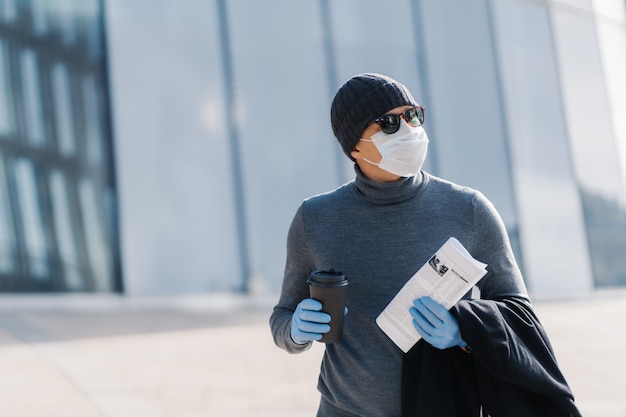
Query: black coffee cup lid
326	276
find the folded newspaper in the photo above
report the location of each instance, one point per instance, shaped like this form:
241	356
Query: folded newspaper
448	275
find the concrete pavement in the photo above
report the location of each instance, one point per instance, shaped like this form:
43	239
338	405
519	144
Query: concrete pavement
106	356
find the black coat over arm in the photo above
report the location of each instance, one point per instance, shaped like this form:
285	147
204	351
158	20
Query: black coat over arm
511	372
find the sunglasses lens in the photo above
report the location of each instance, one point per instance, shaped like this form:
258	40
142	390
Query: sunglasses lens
415	116
389	123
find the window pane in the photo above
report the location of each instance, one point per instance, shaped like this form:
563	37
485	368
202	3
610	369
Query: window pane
93	125
612	42
63	110
201	250
90	27
64	13
31	91
61	212
8	10
32	222
6	115
546	191
593	143
7	238
41	15
97	243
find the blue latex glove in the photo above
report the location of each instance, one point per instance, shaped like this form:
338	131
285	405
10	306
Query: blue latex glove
308	322
436	324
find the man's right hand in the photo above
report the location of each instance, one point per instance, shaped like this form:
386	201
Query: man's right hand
308	322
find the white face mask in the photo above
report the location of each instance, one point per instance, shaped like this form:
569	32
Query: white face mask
404	152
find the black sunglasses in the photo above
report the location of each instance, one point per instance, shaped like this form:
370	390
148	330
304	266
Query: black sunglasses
390	123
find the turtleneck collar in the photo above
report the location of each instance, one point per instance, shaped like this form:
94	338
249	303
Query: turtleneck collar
387	192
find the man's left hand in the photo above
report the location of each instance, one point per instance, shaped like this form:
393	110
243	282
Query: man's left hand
435	324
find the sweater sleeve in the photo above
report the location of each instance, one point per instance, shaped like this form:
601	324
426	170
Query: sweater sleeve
491	245
294	288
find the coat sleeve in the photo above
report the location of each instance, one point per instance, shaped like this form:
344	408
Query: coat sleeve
515	366
294	288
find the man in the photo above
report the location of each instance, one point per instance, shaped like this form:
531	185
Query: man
379	230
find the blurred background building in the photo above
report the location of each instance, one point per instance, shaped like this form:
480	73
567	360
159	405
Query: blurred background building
58	205
162	147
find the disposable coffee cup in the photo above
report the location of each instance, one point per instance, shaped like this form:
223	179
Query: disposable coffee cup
329	288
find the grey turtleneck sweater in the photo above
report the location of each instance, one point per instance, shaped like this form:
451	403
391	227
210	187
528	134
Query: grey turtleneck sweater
379	235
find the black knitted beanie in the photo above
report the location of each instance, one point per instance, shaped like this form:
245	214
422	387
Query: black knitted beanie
362	99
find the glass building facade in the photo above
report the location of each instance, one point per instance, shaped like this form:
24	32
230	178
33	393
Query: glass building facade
57	194
221	126
525	101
